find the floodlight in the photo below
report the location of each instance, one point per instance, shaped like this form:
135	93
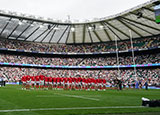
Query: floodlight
20	23
90	28
56	28
101	27
41	26
72	29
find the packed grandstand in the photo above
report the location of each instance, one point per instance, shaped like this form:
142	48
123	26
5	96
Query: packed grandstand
15	74
87	46
148	42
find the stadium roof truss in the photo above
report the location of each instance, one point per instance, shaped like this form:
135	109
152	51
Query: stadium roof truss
138	21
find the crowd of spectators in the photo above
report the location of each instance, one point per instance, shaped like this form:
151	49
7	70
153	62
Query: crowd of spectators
94	61
123	60
80	48
127	76
38	60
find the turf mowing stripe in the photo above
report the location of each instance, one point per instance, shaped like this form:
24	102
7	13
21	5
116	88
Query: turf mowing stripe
74	108
47	96
76	96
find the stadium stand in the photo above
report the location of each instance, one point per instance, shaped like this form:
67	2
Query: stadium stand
15	74
83	61
89	45
99	47
55	67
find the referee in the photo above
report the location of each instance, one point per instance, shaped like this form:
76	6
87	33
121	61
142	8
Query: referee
2	82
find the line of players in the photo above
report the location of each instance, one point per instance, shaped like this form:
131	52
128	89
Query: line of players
66	83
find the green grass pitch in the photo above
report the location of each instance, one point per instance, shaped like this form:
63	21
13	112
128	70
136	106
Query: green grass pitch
56	102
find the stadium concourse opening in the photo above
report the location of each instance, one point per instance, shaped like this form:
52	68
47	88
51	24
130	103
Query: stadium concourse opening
93	67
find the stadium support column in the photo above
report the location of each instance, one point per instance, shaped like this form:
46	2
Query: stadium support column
117	56
130	32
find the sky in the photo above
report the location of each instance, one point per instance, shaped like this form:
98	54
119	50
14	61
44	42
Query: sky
75	9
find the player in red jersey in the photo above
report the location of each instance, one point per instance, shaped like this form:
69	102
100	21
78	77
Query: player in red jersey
100	84
28	82
46	82
41	77
104	84
70	82
73	83
95	84
83	83
37	81
58	82
54	82
61	82
50	82
32	82
92	83
76	83
24	81
80	83
65	83
86	84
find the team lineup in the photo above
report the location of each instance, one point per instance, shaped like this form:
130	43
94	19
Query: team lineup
66	83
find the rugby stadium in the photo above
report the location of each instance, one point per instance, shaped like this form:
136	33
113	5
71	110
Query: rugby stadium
108	65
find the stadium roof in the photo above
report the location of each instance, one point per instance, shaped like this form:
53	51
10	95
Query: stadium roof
136	22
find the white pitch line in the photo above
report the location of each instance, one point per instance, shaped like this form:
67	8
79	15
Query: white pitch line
73	108
91	96
76	96
14	110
